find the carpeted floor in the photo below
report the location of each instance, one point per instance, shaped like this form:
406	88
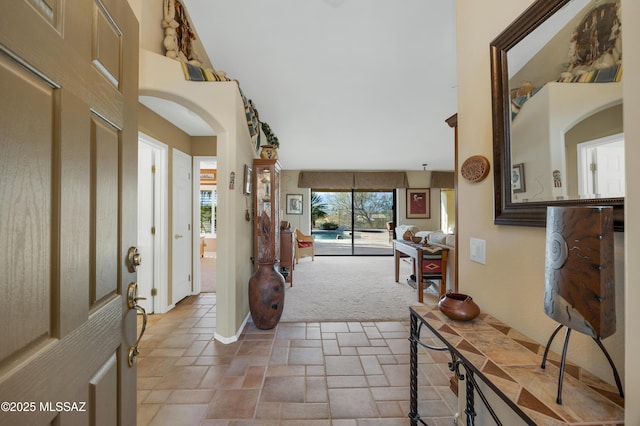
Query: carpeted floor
350	289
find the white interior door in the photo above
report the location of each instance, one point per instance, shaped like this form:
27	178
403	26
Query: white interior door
68	159
601	167
182	233
610	170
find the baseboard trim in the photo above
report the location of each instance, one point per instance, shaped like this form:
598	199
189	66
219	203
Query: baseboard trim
234	338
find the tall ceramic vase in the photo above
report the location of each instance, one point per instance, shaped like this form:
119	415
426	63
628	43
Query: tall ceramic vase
266	296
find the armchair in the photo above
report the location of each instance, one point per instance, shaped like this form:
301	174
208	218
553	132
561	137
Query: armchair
304	246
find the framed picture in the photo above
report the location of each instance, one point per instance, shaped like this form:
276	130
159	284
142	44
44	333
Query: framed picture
246	184
208	176
517	178
418	203
294	203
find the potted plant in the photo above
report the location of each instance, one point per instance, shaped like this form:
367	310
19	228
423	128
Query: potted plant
269	150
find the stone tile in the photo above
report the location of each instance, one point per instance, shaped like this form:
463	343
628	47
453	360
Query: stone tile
397	375
285	370
279	355
255	348
314	374
352	339
390	409
343	366
352	404
330	347
372	332
390	393
347	382
334	327
316	389
268	410
254	377
370	364
377	380
286	331
399	346
306	356
374	350
157	397
305	412
283	389
173	414
313	333
389	326
232	404
194	396
183	378
156	366
306	344
355	327
315	370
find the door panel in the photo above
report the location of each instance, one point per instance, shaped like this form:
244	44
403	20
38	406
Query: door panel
68	143
25	206
104	198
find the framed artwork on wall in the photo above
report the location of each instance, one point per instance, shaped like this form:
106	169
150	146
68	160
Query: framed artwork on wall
418	203
246	184
517	178
294	203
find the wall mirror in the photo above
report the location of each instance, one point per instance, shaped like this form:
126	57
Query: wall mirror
557	111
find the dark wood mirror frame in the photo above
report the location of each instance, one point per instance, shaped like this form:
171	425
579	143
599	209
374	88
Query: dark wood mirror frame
529	213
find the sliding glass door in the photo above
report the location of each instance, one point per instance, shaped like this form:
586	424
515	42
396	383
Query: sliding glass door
353	222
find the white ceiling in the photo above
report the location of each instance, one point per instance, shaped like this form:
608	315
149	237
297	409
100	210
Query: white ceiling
344	84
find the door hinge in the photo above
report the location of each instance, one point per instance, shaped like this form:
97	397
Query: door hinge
154	291
593	167
153	230
153	169
189	227
189	277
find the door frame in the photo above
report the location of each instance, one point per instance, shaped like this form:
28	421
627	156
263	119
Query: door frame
197	276
160	253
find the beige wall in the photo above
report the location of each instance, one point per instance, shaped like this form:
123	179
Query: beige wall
202	146
511	284
631	54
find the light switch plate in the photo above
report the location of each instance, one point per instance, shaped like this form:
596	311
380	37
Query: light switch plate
478	250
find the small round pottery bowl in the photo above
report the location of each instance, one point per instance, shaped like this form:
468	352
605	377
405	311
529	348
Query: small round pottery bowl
458	306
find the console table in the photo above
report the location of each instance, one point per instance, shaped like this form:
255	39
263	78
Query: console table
509	364
416	252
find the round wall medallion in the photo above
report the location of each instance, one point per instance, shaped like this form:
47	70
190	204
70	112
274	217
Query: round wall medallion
475	168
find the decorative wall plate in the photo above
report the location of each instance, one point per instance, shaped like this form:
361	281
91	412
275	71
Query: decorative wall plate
475	168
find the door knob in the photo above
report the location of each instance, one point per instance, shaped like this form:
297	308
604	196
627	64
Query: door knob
177	236
134	259
132	303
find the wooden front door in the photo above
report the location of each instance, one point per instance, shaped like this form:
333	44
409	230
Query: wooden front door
68	158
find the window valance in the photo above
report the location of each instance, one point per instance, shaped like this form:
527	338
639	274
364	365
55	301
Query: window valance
442	180
346	181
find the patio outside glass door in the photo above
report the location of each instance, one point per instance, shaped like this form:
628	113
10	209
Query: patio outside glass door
352	222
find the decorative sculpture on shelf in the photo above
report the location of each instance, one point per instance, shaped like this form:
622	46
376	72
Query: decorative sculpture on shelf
579	277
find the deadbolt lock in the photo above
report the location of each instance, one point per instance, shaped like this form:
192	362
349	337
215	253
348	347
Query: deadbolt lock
134	259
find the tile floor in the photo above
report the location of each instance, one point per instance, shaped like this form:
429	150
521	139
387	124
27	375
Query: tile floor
312	374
